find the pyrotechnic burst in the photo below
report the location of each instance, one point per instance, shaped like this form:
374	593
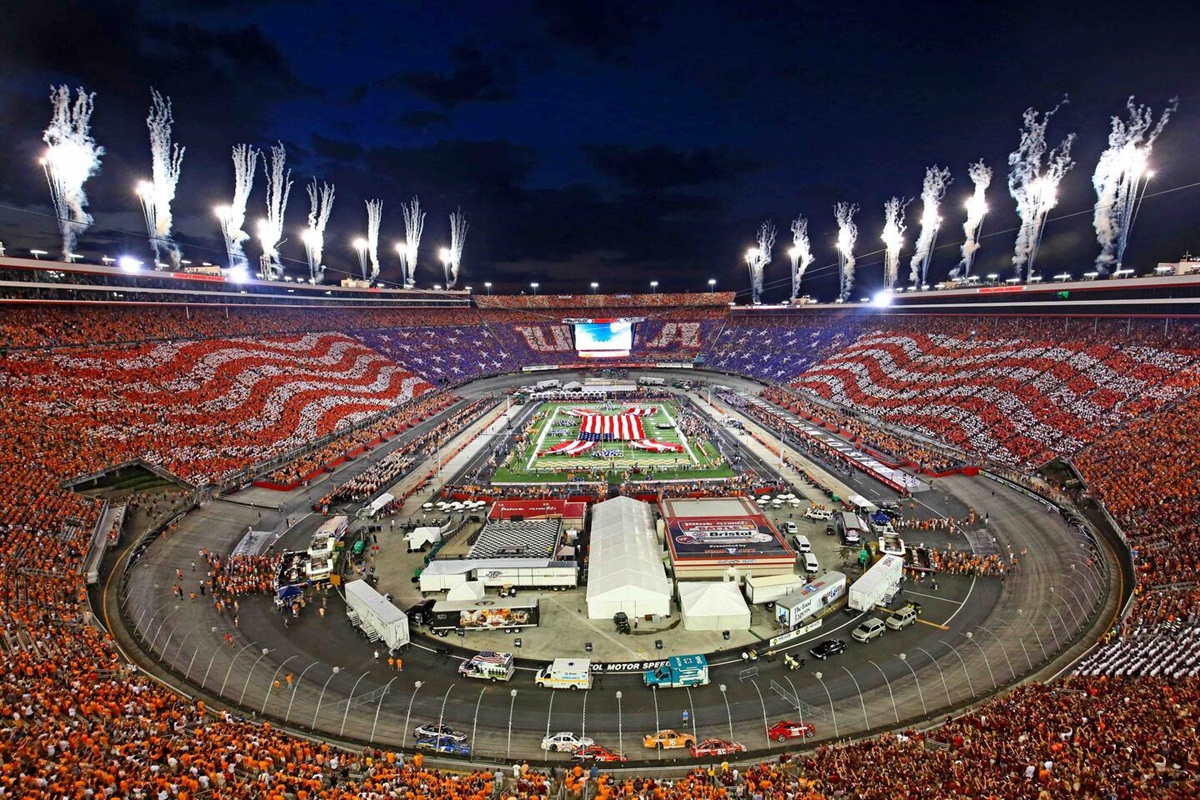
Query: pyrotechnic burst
233	216
847	236
158	193
452	255
893	239
932	192
981	176
72	156
758	257
320	205
270	230
800	253
374	219
1034	184
414	224
1119	174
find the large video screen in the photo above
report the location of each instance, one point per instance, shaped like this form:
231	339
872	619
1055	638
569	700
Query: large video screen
604	339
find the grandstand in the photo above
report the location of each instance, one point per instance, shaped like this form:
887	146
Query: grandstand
218	393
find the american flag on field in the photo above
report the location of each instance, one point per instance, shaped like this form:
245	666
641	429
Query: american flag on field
572	448
655	446
621	427
641	411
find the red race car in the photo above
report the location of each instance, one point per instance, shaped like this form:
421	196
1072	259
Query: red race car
787	729
717	747
598	754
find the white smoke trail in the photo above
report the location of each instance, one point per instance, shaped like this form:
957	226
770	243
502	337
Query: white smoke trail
893	239
374	220
1033	180
757	259
932	191
981	177
233	217
320	205
270	230
847	236
166	159
452	256
414	224
1118	177
72	156
801	253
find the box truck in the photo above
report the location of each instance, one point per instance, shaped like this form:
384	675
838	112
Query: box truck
679	671
876	584
565	673
770	588
375	616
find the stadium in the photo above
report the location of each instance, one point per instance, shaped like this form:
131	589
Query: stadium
281	519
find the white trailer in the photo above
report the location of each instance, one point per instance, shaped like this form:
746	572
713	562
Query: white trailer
815	597
876	584
550	384
440	575
375	616
770	588
646	380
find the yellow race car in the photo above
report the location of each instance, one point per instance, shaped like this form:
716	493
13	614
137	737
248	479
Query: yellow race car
666	740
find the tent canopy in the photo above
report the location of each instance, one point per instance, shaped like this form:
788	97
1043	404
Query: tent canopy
625	571
712	606
861	503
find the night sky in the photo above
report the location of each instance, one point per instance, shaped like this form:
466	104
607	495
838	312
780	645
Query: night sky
604	141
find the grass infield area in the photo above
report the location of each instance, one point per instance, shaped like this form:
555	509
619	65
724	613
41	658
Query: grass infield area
554	425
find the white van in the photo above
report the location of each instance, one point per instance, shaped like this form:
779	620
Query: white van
565	673
810	564
802	544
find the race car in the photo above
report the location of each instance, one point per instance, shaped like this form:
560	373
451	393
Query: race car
717	747
442	745
786	729
598	754
668	739
565	742
433	730
829	647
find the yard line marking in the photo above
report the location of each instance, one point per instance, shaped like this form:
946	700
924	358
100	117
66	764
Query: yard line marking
682	438
541	439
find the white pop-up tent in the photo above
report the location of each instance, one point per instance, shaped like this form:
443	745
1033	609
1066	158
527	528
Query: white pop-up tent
625	566
712	606
861	503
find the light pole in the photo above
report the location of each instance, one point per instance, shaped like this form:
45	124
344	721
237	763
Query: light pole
620	727
594	287
379	705
488	285
966	672
712	285
350	702
895	710
832	711
986	660
945	686
296	691
231	663
653	287
321	699
154	641
861	700
512	694
728	713
407	717
188	672
274	678
534	285
250	675
920	692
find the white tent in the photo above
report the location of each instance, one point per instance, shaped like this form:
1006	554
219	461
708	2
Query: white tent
711	606
862	503
471	590
625	567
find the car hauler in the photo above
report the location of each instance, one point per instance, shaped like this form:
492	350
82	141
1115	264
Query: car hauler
375	616
876	584
483	615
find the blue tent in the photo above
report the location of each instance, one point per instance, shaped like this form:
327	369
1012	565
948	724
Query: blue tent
880	518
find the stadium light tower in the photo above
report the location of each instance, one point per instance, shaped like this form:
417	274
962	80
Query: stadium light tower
534	285
712	285
594	287
488	285
653	287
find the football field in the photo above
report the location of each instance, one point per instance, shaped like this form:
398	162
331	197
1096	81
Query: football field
645	439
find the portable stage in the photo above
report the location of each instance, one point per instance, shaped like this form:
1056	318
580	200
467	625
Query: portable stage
723	537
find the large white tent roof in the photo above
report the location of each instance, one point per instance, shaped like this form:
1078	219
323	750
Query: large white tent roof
626	559
712	605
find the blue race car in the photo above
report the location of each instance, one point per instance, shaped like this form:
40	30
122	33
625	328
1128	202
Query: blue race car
443	745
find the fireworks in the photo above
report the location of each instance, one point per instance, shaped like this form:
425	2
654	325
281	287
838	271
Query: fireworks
757	259
72	156
932	191
270	230
233	216
800	253
452	256
414	224
847	236
320	205
1119	174
157	195
893	239
374	219
981	177
1034	184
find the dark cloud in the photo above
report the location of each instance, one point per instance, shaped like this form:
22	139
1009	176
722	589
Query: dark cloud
336	149
474	77
606	31
419	120
661	167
